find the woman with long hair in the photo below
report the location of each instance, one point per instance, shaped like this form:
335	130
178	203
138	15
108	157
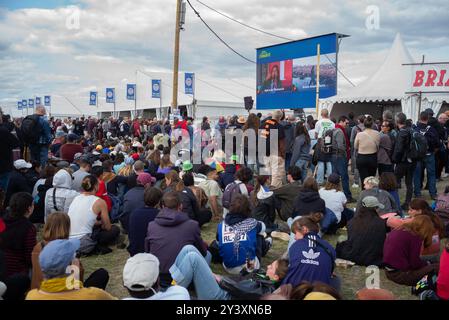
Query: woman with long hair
419	207
366	236
301	156
90	221
402	251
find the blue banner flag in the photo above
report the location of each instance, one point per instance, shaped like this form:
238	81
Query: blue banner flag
24	103
156	89
19	105
110	95
30	103
131	91
189	83
47	101
38	101
93	98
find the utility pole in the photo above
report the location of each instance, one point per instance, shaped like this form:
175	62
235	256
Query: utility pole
176	56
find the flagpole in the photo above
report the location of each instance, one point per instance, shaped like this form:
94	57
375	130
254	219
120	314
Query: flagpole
160	100
135	98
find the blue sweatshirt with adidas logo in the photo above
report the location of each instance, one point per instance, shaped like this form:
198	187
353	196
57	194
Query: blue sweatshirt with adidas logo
310	261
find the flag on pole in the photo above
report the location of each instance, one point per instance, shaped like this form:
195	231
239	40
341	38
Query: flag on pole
110	95
38	101
93	98
47	101
189	83
131	92
24	103
31	103
19	105
156	88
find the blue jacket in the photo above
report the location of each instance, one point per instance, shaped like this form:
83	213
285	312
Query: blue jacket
138	225
225	237
310	261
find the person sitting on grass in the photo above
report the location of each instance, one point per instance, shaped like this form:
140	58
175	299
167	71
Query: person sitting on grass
140	218
56	261
402	251
366	235
58	227
264	203
141	279
288	192
371	185
310	257
308	199
17	239
388	182
335	201
170	231
241	238
190	267
89	220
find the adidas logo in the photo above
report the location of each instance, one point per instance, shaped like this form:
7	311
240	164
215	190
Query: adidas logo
311	254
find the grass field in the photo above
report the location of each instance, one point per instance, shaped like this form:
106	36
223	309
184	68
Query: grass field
352	278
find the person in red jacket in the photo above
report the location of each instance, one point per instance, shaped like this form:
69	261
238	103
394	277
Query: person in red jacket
136	128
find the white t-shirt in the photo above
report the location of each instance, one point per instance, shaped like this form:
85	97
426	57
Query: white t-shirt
334	201
322	126
172	293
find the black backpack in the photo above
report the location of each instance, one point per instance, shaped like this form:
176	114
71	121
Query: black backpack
31	129
418	145
326	141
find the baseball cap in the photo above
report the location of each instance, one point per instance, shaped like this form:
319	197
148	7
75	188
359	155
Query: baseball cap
145	178
187	165
22	164
77	156
57	255
97	163
372	202
141	272
334	178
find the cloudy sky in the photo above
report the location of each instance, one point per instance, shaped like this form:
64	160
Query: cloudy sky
43	50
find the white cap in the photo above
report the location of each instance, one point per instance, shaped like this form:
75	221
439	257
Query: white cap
137	144
97	164
22	164
141	270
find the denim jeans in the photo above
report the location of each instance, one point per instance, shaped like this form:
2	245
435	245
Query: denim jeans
304	166
4	180
190	266
429	163
39	152
320	171
340	167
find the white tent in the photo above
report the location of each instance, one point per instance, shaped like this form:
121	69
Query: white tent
386	89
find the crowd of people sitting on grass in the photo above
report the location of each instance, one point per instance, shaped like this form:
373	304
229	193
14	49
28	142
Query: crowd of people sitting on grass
92	188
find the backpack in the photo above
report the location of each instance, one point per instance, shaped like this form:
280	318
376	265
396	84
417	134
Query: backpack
117	208
230	190
326	141
31	129
250	287
418	145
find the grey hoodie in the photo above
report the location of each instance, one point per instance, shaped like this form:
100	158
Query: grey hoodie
64	195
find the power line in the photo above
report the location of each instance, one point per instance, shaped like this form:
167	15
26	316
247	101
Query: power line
216	87
270	34
218	37
243	24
